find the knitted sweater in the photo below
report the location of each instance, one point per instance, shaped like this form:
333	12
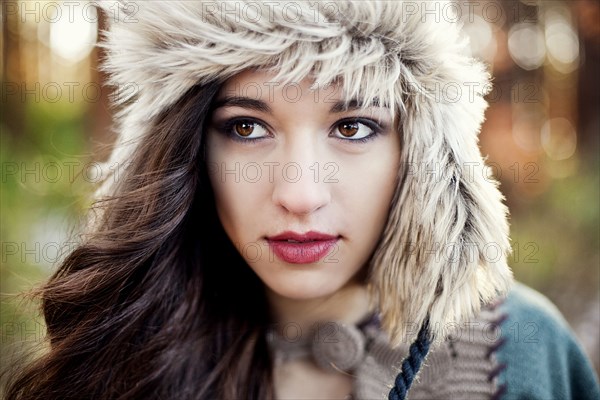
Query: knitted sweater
519	347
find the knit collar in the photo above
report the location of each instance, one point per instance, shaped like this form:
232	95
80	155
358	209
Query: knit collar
332	345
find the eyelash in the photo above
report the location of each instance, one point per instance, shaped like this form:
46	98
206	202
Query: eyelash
227	129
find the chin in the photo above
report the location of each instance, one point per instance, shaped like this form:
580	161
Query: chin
305	288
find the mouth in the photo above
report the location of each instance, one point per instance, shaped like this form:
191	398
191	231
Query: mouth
302	248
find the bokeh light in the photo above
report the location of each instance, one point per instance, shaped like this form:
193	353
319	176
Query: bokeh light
559	139
561	41
526	45
74	38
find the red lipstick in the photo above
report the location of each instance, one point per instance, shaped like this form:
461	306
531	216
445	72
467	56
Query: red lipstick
298	248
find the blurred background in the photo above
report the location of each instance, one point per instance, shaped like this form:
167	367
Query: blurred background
540	136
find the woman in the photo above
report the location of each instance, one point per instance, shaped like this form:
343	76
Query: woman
300	211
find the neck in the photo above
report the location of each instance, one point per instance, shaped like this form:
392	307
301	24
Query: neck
350	305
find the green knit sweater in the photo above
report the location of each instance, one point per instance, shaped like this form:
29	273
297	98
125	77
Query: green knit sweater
543	357
535	357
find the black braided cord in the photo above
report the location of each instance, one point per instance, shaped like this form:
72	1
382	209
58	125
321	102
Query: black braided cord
410	366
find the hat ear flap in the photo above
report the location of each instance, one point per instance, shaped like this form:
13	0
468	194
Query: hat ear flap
443	251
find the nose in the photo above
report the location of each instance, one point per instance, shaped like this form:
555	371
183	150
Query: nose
301	188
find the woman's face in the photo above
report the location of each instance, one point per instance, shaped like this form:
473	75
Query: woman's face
302	184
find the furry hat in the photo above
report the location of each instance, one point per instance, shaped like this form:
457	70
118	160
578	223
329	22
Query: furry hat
443	251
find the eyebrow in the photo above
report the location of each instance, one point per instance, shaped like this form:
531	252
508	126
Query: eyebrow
259	105
354	104
244	102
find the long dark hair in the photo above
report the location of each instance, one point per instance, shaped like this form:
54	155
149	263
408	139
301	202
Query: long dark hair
156	302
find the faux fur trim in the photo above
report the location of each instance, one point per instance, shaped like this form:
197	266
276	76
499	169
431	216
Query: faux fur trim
443	251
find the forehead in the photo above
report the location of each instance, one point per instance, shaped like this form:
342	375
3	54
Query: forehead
264	85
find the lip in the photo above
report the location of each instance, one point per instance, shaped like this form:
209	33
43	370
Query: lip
312	246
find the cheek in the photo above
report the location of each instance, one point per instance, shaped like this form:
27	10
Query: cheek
239	199
227	203
227	196
369	192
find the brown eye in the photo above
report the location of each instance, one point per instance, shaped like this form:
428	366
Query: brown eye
244	128
348	129
355	130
